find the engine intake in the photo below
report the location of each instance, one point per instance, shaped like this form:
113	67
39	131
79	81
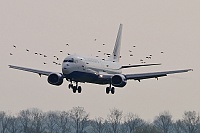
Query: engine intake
55	79
118	80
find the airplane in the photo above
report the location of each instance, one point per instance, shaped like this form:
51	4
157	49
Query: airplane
76	68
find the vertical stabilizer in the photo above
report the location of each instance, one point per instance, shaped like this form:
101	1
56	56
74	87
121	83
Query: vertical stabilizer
116	51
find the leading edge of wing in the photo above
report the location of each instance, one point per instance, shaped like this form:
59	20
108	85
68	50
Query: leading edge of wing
140	65
40	72
153	74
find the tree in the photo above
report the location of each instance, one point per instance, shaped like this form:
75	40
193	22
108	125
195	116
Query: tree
98	125
114	118
51	119
80	118
13	124
3	122
164	122
25	121
191	121
148	128
37	121
132	122
64	122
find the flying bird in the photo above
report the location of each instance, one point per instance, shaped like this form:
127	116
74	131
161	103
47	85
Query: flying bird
45	56
99	51
134	46
44	63
161	52
68	54
11	54
14	46
61	51
36	53
103	43
130	51
131	55
67	44
95	39
40	54
27	50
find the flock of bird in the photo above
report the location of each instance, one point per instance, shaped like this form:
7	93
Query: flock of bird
43	55
99	51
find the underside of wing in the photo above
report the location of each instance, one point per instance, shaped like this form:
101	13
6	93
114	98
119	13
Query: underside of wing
153	74
40	72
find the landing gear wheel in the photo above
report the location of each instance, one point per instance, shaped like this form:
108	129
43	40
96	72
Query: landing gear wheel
70	86
79	89
74	89
107	90
113	90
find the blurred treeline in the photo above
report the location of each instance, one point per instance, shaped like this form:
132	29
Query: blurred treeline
77	120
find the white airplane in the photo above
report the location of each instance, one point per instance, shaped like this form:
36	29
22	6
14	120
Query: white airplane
77	68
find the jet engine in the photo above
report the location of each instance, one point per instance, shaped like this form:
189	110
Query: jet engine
55	79
118	80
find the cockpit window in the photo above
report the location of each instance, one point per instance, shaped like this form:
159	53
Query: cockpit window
69	60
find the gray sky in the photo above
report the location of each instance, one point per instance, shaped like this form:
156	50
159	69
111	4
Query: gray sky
152	25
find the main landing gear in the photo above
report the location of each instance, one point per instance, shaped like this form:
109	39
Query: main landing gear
75	88
110	89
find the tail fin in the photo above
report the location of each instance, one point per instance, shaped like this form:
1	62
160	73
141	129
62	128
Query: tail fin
116	51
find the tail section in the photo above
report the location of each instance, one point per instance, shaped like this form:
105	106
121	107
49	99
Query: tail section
116	51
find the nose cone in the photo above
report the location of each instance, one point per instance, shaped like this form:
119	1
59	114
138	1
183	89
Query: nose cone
65	68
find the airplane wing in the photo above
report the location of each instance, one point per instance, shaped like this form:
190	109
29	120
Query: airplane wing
40	72
140	65
153	74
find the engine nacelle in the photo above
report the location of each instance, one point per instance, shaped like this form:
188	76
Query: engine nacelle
118	80
55	79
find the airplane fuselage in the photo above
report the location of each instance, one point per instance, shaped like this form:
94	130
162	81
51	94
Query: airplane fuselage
87	69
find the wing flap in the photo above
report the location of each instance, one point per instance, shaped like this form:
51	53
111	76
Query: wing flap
153	74
40	72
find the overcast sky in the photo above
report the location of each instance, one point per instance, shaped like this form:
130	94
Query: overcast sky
153	26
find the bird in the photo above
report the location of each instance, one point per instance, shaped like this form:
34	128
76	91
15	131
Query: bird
120	56
11	54
61	51
45	56
57	58
95	39
54	62
130	51
108	54
36	53
44	63
59	64
103	43
68	54
134	46
150	55
67	44
97	56
40	54
27	50
99	51
161	52
141	60
131	55
54	56
14	46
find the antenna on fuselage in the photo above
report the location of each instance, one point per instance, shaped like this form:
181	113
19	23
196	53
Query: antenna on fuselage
116	51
